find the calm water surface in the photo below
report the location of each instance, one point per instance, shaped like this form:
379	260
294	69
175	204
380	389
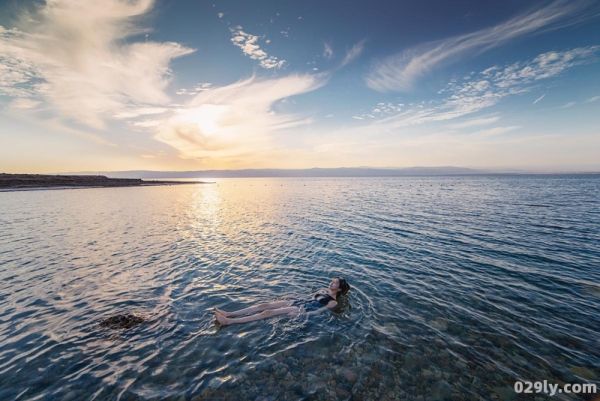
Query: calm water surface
460	286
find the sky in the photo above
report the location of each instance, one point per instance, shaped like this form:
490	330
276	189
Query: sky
186	85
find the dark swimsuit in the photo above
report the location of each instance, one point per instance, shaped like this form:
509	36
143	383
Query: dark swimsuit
317	302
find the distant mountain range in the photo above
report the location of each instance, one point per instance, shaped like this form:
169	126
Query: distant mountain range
311	172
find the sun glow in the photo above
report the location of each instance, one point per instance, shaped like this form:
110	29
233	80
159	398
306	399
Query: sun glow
209	117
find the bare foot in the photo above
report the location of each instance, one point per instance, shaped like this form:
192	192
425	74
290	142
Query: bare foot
221	319
222	312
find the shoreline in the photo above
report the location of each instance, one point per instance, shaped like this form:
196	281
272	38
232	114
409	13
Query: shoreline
37	182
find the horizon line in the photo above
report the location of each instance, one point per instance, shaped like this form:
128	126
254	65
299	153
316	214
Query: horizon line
330	171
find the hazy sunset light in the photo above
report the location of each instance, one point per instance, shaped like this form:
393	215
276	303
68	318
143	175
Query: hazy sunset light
117	85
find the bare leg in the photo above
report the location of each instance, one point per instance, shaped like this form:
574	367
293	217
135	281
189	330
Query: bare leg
291	310
253	309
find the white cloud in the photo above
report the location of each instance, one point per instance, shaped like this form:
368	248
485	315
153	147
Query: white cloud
400	71
593	99
384	108
449	131
16	74
496	131
236	119
353	53
142	111
250	47
146	123
487	88
220	15
195	90
544	66
75	56
568	105
539	99
475	122
24	104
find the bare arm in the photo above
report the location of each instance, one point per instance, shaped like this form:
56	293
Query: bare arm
330	305
322	291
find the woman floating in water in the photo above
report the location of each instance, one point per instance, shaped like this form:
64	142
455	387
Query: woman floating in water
324	299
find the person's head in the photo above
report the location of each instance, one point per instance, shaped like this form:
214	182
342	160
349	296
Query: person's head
339	284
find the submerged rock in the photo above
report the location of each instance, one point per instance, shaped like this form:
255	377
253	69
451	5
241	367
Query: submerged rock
593	290
583	372
504	393
441	391
349	375
440	324
122	321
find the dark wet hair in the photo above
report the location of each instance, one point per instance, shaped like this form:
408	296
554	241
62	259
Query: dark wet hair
344	286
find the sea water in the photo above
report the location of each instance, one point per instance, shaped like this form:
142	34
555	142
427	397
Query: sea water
460	286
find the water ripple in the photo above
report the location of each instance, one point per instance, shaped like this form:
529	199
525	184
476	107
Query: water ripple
458	283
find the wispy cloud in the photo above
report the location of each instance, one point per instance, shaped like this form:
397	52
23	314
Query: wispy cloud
73	55
16	73
486	88
476	122
572	103
226	122
24	104
138	112
382	109
452	130
546	65
568	105
496	131
400	71
195	90
250	47
353	53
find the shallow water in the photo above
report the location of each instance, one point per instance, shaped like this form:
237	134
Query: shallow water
460	286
